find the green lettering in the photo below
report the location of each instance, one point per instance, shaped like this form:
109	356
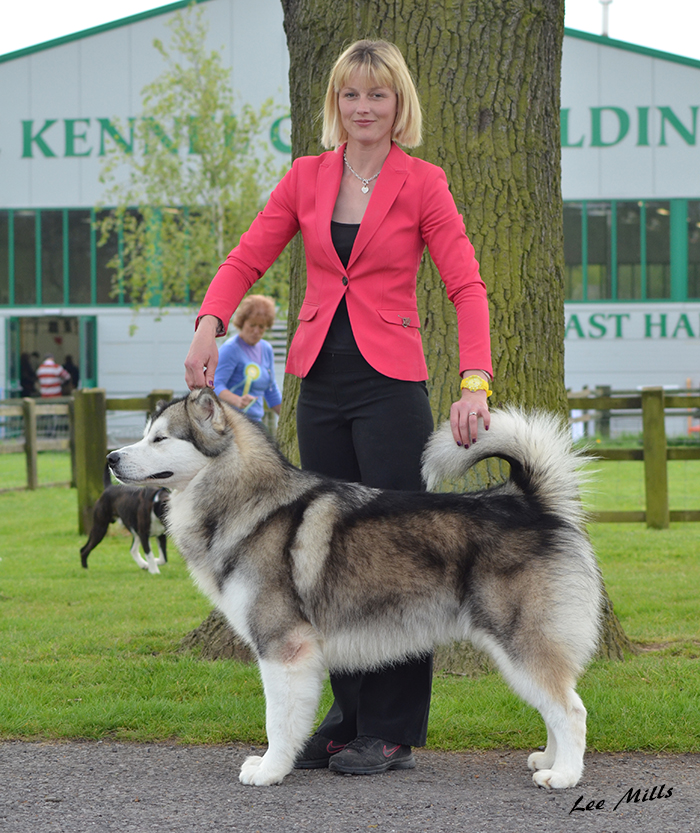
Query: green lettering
574	325
278	142
106	127
193	132
683	324
642	127
667	115
593	321
623	126
649	324
160	134
37	138
618	316
72	136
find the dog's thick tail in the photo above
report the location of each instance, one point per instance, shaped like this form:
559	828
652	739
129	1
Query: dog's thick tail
538	448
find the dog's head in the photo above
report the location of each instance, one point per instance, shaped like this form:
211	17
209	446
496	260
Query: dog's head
181	437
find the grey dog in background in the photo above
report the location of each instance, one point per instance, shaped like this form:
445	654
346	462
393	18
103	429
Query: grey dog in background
314	573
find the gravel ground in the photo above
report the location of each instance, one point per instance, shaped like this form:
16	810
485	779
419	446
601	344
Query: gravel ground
164	788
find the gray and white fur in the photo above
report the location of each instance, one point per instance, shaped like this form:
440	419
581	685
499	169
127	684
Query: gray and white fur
315	573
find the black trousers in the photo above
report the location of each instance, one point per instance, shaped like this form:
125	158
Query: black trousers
355	424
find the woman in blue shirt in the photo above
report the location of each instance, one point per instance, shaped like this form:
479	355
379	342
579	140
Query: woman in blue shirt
245	374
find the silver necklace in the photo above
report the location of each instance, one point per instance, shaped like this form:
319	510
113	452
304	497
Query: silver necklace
365	182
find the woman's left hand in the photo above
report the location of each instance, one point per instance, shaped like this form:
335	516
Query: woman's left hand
465	415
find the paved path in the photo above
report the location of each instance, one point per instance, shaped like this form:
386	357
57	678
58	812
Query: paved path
129	788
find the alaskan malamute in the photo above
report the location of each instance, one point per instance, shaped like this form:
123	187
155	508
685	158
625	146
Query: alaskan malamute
314	573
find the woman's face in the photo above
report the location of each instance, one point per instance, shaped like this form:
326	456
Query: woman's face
367	110
253	329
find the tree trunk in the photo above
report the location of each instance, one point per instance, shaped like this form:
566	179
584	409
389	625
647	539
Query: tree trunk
488	75
214	639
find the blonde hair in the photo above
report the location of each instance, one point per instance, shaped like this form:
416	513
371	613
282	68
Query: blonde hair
384	65
255	305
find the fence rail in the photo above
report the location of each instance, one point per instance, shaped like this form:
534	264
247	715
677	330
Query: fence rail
86	413
655	405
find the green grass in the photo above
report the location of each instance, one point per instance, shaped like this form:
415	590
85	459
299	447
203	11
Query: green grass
94	653
52	467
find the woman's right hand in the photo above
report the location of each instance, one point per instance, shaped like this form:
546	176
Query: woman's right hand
203	354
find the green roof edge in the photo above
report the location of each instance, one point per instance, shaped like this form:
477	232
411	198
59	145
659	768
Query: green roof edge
603	40
96	30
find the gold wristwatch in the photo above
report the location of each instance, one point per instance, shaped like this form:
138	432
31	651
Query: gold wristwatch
475	383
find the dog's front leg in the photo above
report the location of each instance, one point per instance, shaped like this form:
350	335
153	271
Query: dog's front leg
136	552
292	692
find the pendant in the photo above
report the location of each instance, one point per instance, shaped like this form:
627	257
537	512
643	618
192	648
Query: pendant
365	189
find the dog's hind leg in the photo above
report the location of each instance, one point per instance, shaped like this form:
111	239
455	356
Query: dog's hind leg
566	724
102	517
546	758
550	689
292	679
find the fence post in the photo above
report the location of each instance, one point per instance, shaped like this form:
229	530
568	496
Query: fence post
155	396
30	441
90	415
655	463
603	417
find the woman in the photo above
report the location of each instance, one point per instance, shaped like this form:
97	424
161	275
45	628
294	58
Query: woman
366	211
245	373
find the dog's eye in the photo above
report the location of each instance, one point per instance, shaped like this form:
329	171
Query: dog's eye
159	439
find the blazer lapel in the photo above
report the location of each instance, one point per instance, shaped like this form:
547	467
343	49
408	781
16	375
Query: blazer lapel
328	179
384	194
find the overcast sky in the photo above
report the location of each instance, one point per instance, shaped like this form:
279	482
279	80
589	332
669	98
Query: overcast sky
668	25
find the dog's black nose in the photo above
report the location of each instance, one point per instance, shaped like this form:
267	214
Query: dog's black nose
113	458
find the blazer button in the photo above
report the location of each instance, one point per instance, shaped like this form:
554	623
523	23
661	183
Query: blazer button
345	280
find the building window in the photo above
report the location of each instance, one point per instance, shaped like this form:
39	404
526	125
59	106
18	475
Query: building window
658	240
639	250
629	251
573	251
25	257
104	254
52	257
79	258
599	250
693	249
4	257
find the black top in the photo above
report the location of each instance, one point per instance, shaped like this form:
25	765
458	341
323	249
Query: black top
340	338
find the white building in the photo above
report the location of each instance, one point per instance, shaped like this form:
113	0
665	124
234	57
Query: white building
631	185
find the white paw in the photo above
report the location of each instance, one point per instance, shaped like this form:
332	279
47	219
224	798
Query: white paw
551	779
257	773
540	760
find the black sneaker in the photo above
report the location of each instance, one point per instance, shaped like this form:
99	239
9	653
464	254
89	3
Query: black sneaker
368	756
317	753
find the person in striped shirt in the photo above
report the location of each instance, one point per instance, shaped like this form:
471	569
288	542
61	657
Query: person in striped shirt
51	376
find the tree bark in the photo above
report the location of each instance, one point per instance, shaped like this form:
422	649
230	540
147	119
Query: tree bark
488	75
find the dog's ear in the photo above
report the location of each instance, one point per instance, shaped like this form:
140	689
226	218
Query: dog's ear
208	410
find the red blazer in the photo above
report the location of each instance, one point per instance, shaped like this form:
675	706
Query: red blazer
410	207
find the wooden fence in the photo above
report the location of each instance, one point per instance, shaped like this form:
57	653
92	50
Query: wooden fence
87	413
654	405
90	431
28	411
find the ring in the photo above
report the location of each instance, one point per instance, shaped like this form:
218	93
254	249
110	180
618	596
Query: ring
473	413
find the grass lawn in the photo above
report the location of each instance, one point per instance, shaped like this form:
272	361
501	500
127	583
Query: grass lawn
94	653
